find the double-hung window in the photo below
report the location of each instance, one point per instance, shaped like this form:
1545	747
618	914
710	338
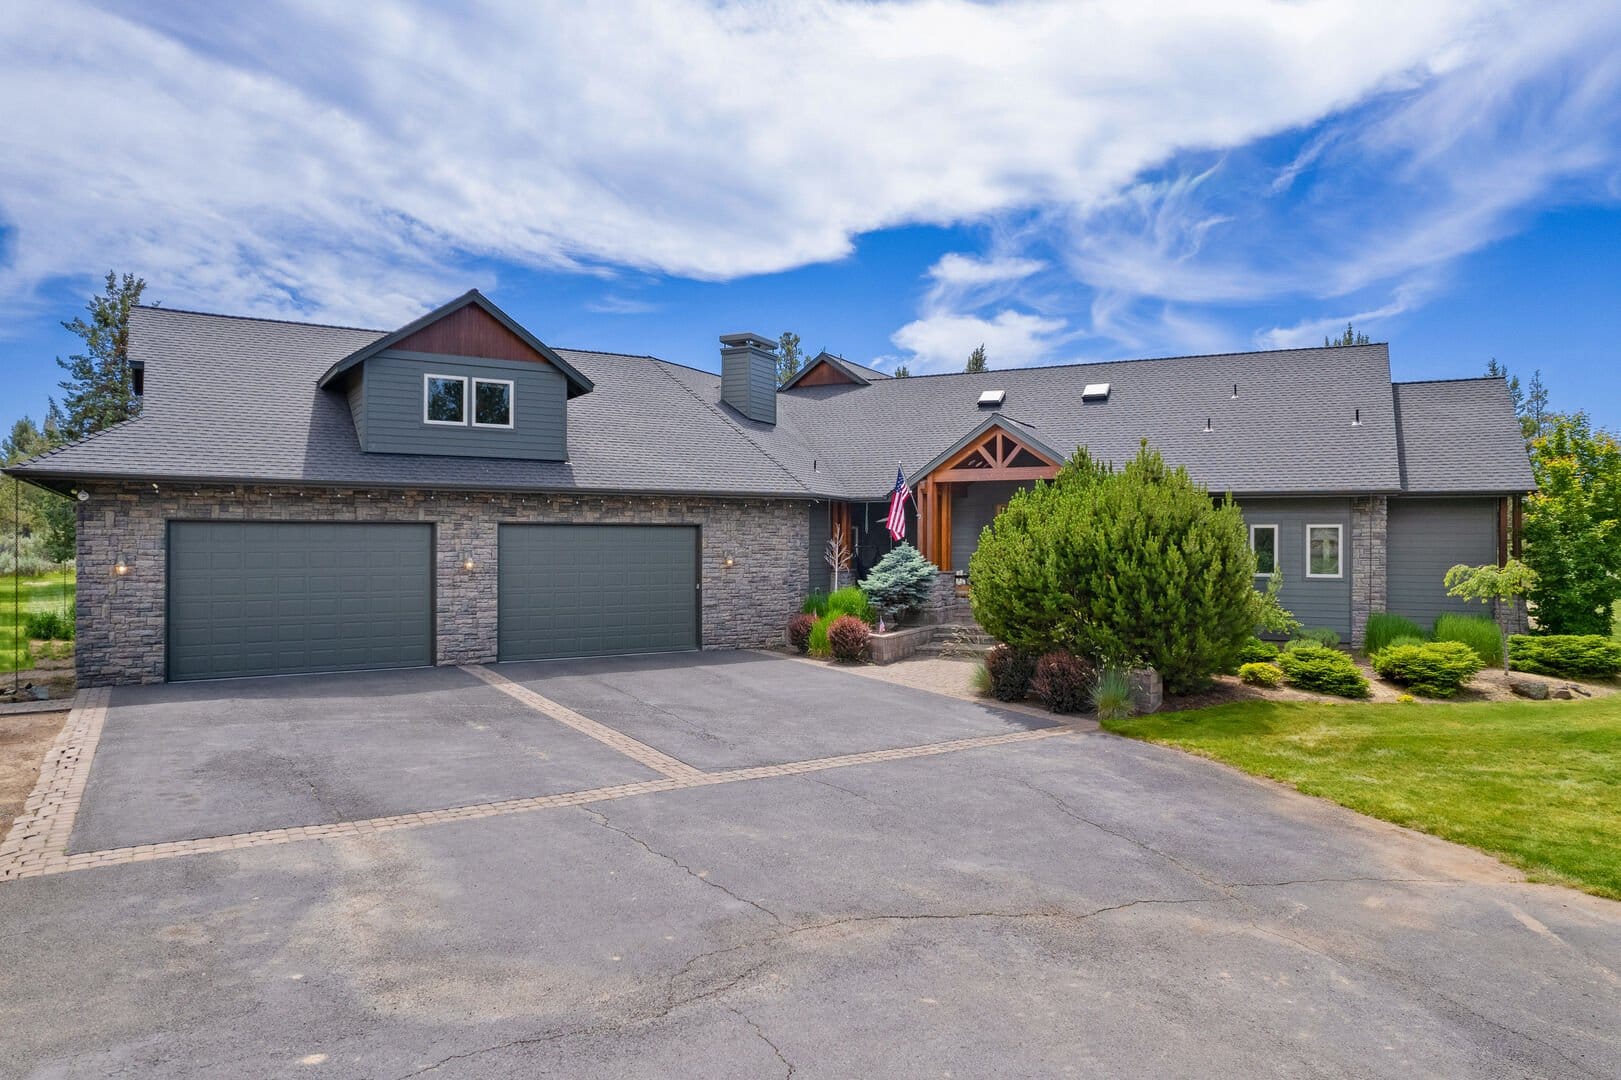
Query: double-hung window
1325	551
1264	543
460	400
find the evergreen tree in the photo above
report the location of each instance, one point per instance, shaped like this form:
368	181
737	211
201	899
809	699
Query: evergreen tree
902	371
1350	337
1516	394
789	360
99	391
1535	418
976	360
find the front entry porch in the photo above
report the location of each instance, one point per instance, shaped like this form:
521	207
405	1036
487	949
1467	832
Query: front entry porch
967	487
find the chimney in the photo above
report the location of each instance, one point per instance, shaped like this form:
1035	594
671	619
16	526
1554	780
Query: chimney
748	375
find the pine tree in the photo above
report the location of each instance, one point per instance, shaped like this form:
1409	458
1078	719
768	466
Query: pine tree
1350	337
1494	370
976	360
99	389
789	360
902	371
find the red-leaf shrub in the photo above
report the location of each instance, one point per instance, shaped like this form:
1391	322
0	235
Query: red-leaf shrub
1010	670
850	639
1062	682
799	631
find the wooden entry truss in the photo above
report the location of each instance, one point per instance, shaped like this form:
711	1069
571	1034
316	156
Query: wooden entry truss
995	454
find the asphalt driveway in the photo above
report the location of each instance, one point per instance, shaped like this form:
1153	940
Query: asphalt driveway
1040	906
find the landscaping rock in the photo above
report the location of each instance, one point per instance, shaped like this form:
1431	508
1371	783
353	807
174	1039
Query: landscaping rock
1562	693
1529	688
1147	690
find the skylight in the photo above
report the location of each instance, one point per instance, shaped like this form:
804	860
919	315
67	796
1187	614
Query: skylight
989	399
1096	391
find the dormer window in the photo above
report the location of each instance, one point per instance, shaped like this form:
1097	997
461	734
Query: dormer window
492	403
445	401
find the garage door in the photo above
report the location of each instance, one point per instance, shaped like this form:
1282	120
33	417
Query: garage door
597	590
277	598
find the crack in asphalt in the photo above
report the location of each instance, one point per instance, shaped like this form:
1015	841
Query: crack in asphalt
602	819
758	1031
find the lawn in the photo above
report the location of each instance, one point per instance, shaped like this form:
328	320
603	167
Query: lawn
49	592
1537	784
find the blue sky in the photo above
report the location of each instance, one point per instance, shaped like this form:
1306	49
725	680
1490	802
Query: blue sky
896	183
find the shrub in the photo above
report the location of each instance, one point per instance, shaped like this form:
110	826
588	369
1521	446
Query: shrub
1406	699
850	639
817	643
1434	669
1327	671
1479	632
850	601
1085	564
1322	635
47	626
900	583
1383	628
1011	670
1111	694
981	680
1269	675
1570	655
1062	682
799	631
815	604
1408	640
1256	651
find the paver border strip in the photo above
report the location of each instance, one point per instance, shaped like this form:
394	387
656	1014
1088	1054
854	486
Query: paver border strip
39	836
56	816
634	749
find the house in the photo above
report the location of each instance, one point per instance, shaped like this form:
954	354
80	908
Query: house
300	498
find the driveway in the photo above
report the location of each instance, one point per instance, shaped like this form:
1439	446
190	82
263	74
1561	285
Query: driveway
795	891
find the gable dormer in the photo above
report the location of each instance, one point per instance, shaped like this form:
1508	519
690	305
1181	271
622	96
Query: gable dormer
825	369
463	380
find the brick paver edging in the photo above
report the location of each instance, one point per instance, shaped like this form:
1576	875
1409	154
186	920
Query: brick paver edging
56	861
39	836
637	751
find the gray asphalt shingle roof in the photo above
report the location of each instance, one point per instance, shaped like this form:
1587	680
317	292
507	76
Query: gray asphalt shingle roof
236	399
1460	435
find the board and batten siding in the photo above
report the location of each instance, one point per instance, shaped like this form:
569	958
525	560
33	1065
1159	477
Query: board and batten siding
820	531
1314	601
1426	538
752	384
392	388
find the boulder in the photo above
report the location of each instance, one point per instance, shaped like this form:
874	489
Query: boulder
1562	693
1529	688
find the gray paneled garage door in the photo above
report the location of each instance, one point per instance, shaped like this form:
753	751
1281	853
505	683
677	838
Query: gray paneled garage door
597	590
275	598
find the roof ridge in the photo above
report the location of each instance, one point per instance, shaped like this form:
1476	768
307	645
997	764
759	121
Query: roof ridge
1461	378
1141	360
255	318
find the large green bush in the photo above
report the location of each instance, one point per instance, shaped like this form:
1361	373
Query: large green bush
1434	669
1384	627
899	585
1573	526
1480	632
1571	655
1311	666
1134	566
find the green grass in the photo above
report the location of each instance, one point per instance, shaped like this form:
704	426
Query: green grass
45	593
1538	784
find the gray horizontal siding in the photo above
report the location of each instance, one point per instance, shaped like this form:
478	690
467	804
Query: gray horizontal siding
1314	601
357	403
1426	538
393	424
973	506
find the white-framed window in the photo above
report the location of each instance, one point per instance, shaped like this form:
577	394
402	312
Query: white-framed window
444	399
1325	551
1264	542
493	402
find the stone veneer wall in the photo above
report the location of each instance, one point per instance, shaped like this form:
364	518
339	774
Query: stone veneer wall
1370	516
121	631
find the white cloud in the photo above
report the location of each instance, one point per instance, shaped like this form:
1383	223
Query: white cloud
353	162
942	341
614	304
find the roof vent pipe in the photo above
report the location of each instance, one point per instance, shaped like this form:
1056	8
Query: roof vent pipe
748	376
1235	390
1208	429
1356	419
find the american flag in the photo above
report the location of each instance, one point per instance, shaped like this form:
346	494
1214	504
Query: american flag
897	506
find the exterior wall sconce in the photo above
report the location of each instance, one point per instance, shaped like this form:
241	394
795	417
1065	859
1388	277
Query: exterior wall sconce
728	561
121	567
468	564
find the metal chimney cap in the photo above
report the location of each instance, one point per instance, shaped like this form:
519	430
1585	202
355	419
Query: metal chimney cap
738	341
